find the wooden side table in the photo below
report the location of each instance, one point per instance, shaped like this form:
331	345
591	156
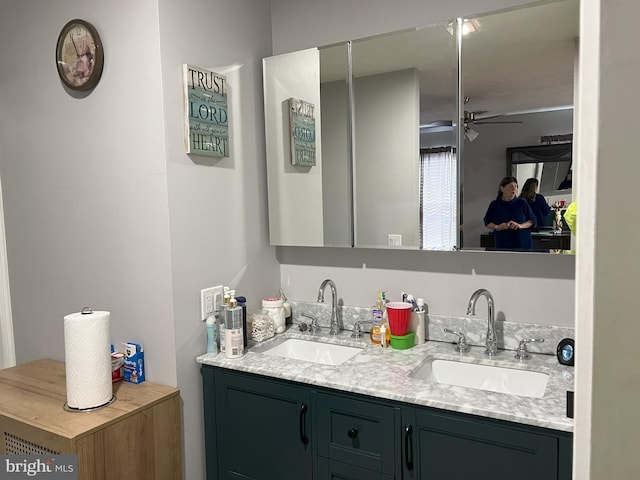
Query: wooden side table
137	437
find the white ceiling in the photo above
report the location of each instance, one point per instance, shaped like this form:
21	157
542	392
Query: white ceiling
517	61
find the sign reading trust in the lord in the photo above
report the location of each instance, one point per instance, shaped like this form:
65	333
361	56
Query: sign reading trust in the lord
303	132
206	112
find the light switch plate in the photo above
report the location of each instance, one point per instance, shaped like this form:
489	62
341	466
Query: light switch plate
210	301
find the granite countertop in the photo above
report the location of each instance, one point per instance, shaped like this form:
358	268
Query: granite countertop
384	373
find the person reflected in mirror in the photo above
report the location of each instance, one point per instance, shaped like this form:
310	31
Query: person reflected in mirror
571	217
566	183
510	218
536	201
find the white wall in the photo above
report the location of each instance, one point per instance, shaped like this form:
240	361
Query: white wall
607	439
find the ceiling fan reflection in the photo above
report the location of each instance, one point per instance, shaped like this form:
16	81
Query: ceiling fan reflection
479	117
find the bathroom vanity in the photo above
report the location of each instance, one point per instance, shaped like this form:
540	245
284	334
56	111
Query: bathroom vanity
371	417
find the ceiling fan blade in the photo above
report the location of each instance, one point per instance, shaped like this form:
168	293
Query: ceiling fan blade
483	116
438	123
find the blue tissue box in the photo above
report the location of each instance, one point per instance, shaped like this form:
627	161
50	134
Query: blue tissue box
133	362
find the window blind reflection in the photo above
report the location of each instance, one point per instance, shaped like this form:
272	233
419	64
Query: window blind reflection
438	198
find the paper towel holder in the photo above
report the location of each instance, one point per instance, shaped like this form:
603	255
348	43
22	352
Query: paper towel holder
67	408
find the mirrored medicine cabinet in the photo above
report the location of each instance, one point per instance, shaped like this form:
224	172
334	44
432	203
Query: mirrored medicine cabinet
400	140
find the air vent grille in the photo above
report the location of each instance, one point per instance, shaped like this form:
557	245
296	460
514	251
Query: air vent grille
15	445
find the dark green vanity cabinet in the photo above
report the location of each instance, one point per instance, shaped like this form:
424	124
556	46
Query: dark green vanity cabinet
264	428
450	446
256	428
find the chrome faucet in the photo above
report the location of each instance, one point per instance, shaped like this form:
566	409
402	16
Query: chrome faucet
336	324
492	344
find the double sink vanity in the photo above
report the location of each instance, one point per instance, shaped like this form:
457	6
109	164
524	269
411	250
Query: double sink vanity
316	406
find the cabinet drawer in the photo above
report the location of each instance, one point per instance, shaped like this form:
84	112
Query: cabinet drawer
333	470
357	432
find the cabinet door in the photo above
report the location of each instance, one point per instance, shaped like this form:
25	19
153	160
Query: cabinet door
441	446
263	429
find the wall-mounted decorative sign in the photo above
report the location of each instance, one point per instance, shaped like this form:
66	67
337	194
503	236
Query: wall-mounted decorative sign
206	123
303	132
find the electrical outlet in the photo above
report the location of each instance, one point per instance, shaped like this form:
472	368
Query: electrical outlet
206	303
218	297
210	301
394	240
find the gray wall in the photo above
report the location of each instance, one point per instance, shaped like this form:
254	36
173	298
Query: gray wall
298	24
102	205
336	174
85	182
217	209
96	197
386	143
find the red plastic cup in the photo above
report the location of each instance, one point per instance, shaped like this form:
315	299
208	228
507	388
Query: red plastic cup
399	314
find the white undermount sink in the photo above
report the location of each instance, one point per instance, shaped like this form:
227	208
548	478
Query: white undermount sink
313	351
525	383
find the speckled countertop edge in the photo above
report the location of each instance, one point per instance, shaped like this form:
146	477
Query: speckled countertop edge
385	373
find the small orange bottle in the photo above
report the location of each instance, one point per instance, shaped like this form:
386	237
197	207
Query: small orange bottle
378	319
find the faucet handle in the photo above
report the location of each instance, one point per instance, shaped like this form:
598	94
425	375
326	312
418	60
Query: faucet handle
314	327
522	353
462	345
357	328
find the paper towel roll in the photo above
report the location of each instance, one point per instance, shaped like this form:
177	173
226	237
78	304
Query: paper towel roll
87	351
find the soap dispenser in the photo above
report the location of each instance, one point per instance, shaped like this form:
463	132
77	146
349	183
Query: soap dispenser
378	318
234	341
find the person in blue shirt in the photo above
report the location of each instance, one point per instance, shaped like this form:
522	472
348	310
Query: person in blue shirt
536	201
566	183
510	218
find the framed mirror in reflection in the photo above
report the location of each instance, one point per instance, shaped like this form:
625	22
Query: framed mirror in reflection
393	170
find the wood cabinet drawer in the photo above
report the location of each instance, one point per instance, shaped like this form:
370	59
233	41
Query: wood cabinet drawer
357	432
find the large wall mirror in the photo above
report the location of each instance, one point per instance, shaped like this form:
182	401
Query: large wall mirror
392	168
